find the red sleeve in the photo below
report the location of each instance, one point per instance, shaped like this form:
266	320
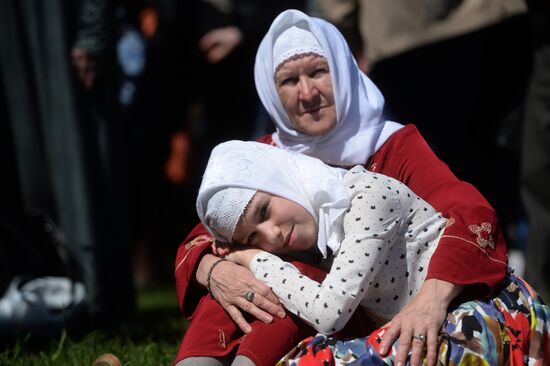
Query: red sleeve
266	139
189	254
472	249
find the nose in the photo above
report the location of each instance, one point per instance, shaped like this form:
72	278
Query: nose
270	232
308	91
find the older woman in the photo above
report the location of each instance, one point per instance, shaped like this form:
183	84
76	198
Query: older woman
382	237
324	106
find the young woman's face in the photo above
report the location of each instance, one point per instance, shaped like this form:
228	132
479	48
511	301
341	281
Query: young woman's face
276	225
305	88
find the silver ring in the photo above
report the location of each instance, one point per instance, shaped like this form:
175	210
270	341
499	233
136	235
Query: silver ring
420	337
249	295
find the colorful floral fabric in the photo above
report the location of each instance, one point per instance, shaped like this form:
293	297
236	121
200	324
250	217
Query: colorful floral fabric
513	328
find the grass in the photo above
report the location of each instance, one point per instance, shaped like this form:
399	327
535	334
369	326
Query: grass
151	339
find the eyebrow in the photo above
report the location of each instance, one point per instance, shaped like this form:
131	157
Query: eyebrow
282	72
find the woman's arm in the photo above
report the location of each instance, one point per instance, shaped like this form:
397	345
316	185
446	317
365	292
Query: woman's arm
328	305
188	291
229	282
473	234
406	156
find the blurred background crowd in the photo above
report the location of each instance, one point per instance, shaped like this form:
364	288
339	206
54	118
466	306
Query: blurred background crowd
109	108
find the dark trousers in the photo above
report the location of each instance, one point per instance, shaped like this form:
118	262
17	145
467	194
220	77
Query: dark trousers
536	172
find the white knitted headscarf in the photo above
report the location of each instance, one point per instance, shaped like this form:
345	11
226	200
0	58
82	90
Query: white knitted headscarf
255	167
294	41
360	129
224	210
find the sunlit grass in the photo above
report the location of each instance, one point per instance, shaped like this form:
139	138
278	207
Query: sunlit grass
151	338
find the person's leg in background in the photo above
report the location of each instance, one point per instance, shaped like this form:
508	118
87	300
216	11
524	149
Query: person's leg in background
536	169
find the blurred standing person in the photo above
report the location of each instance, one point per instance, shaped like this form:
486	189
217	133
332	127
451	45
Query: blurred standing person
229	33
536	154
66	142
458	70
158	123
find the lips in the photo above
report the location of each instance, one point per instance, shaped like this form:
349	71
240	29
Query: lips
288	237
313	110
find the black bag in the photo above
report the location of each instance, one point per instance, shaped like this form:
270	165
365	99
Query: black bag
34	247
41	292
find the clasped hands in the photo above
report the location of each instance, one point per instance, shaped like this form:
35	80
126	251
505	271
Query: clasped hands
415	328
230	283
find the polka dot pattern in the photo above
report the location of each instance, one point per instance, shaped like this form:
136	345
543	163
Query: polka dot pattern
390	235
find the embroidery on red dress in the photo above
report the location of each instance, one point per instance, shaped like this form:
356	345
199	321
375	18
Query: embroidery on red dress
450	222
221	339
484	234
199	240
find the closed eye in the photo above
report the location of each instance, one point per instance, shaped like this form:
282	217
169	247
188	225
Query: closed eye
289	81
263	215
318	72
263	211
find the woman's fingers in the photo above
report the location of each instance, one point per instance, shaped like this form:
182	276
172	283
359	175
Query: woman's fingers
239	304
267	304
230	284
390	336
403	346
266	299
251	308
238	318
419	340
433	346
259	306
418	343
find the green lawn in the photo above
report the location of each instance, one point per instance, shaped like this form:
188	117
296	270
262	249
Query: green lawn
151	339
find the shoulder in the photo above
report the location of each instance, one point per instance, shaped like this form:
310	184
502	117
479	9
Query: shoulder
371	190
359	179
357	174
266	139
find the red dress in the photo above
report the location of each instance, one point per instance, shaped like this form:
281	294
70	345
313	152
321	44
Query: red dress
472	236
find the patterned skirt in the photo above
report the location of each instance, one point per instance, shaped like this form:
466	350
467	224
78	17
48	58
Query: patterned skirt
513	328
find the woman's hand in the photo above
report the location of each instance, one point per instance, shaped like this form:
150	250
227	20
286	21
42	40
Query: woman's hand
229	284
218	43
423	316
86	65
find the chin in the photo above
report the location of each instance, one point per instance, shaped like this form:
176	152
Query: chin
316	128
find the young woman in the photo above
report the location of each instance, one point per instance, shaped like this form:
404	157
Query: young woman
382	236
324	106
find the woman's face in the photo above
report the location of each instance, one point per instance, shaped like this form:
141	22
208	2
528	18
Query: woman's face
276	225
305	88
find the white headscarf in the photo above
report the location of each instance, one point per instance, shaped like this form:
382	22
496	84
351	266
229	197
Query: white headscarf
294	41
300	178
360	129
